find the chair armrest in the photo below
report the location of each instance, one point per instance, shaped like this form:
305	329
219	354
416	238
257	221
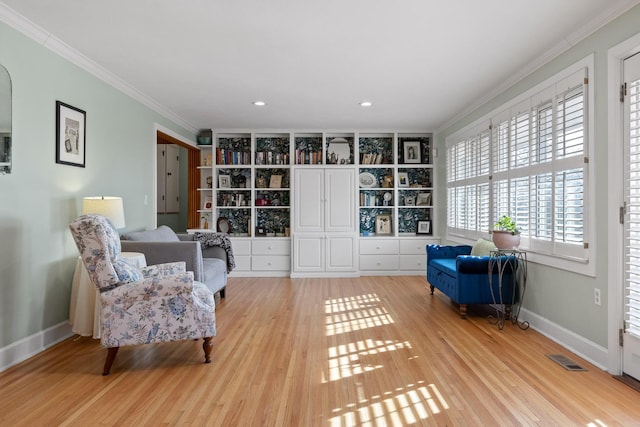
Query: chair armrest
166	269
209	252
445	251
147	289
167	252
215	252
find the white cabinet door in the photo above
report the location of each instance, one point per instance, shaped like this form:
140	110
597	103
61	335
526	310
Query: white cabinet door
309	200
341	252
340	200
308	253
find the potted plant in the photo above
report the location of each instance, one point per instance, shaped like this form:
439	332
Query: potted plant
505	233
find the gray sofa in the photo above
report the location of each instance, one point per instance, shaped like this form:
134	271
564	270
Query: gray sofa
209	266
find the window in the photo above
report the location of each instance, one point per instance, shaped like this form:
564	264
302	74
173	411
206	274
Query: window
529	160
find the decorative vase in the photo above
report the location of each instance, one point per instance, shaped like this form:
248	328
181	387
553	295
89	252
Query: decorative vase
505	239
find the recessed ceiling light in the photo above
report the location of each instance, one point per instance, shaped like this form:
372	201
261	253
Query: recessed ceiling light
366	104
259	103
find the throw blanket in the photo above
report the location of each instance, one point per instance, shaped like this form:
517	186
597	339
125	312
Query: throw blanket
208	240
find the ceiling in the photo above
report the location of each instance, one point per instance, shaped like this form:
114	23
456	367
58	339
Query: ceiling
421	62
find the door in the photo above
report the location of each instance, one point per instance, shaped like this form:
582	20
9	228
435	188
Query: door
631	348
168	179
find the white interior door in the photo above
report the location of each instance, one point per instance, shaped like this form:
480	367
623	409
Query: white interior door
631	347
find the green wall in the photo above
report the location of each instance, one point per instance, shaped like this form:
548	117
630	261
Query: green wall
39	198
561	297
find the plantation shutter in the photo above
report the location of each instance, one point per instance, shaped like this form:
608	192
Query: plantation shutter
632	238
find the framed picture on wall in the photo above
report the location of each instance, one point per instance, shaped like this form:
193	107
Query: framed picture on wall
70	135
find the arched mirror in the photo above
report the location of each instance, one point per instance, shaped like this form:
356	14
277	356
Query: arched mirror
5	121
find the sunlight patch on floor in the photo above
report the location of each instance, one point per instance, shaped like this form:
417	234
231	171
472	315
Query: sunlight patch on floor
355	313
404	406
344	360
400	407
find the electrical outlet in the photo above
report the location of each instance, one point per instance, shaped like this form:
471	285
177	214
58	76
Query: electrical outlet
596	296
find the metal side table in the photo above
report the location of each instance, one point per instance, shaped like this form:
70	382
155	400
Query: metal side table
513	260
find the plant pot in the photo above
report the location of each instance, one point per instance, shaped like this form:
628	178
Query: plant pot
505	239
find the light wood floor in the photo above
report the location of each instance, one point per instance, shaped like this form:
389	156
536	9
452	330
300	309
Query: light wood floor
371	351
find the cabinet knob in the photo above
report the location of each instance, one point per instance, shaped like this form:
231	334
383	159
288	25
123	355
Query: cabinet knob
378	263
377	247
269	248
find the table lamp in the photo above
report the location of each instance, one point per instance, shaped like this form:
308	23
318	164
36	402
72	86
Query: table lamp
109	207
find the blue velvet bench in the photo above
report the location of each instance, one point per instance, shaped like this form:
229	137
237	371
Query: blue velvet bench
464	278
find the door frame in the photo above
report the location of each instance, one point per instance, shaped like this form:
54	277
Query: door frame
163	135
615	307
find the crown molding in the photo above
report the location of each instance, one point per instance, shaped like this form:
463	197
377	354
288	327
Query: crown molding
561	47
42	37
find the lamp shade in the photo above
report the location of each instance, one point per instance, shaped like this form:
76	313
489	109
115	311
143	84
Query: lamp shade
109	207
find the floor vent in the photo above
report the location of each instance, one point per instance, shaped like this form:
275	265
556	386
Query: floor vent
565	362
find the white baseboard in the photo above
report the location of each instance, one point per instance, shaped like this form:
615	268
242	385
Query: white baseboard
597	355
30	346
588	350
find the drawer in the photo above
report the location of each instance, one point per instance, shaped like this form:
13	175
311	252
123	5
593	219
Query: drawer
378	246
271	247
243	262
377	262
241	246
271	263
415	246
414	262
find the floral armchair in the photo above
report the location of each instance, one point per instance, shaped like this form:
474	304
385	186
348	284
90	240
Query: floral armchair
158	303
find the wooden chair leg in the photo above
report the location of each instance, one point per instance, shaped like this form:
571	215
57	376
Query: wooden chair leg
111	356
222	292
207	346
432	288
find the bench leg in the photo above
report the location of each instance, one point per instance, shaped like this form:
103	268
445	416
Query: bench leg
463	311
432	288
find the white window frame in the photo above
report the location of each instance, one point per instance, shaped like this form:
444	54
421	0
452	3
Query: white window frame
583	260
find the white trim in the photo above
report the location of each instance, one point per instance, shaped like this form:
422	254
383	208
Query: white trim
27	347
615	198
588	350
42	37
585	31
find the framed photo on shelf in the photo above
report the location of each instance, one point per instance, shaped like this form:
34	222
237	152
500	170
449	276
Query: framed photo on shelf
208	203
411	152
275	181
424	227
423	199
403	179
383	224
224	181
70	135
